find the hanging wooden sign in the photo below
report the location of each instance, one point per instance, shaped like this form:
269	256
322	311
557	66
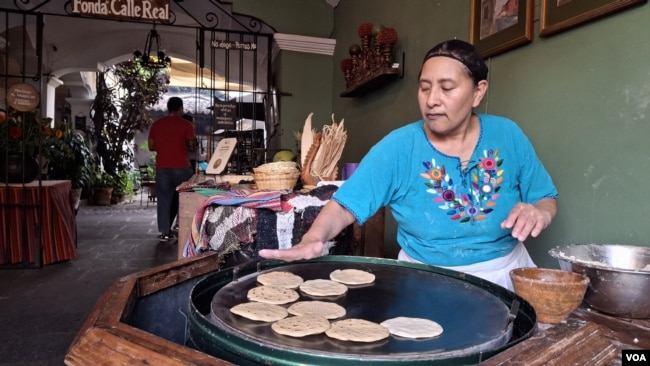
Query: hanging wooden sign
123	9
23	97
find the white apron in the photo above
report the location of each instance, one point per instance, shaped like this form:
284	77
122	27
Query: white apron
495	270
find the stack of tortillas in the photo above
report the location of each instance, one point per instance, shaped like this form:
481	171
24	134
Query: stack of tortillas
357	330
329	310
352	276
272	295
323	288
260	311
269	303
301	325
280	278
412	327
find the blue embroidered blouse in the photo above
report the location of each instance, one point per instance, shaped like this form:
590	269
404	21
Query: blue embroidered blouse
448	215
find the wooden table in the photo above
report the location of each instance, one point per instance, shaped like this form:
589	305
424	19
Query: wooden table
188	202
26	208
587	337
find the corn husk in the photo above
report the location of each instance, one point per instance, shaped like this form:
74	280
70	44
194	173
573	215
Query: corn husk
305	175
332	142
306	140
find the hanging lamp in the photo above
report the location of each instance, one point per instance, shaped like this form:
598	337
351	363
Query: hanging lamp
153	57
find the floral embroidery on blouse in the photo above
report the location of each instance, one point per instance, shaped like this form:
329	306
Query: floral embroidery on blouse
461	202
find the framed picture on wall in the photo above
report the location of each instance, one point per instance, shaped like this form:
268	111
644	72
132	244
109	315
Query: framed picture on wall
497	26
560	15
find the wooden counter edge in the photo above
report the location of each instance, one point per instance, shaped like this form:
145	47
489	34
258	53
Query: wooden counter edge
103	334
571	342
609	335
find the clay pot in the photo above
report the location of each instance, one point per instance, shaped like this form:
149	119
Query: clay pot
16	168
553	293
102	196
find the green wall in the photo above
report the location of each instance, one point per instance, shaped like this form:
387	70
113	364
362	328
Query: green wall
312	18
582	96
307	78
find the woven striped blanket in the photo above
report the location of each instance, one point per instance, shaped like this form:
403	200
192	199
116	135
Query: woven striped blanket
234	220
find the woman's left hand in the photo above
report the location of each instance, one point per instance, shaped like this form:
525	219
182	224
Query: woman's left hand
526	219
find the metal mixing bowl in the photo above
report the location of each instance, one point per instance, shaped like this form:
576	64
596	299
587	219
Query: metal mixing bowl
619	275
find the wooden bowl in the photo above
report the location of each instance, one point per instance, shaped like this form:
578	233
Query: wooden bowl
553	293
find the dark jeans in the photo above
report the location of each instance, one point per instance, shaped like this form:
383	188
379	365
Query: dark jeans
167	206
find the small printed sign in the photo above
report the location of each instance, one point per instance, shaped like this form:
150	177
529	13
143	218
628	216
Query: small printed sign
233	45
23	97
225	114
123	9
221	155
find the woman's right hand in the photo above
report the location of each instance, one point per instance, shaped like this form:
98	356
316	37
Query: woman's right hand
304	250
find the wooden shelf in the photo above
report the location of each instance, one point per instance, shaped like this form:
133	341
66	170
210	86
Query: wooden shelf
374	81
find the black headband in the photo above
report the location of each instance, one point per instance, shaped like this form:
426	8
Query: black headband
463	52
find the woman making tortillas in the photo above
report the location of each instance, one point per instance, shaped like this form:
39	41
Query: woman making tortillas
465	189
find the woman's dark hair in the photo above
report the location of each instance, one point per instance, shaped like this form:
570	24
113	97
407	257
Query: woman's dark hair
463	52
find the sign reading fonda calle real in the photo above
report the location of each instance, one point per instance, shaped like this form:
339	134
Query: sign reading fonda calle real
123	9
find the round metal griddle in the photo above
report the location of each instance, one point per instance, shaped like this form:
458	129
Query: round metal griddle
476	320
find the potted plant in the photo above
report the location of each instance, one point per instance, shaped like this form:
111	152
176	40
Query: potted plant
103	184
72	159
124	187
22	136
83	163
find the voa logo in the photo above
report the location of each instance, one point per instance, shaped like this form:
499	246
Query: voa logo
636	357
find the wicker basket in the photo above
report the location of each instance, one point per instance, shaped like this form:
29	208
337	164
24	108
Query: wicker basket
276	176
278	165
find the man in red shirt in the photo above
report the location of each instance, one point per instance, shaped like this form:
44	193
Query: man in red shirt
171	137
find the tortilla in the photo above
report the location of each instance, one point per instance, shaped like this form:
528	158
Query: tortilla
260	311
301	326
352	276
272	295
326	309
412	327
357	330
323	288
280	278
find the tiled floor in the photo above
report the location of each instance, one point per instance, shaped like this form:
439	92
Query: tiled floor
41	310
